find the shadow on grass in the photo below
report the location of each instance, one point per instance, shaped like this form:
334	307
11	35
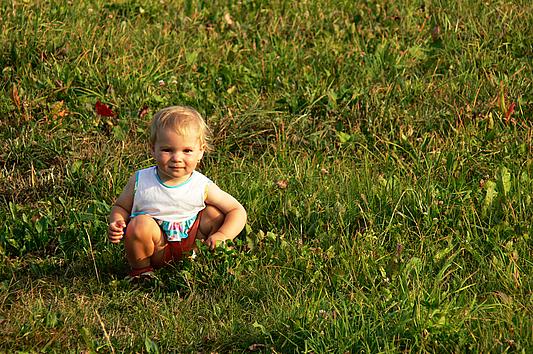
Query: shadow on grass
81	273
62	269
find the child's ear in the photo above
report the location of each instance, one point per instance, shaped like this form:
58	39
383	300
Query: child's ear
202	151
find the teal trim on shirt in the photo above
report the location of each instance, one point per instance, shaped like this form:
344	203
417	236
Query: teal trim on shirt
166	185
137	214
136	181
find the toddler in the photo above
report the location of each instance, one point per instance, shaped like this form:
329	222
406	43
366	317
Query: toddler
168	206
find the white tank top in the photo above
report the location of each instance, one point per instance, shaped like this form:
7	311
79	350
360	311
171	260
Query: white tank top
168	203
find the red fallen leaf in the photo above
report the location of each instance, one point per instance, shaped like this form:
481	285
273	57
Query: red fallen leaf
282	183
143	111
104	110
15	96
510	111
256	347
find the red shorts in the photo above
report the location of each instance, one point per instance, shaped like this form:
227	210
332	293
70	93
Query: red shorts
177	250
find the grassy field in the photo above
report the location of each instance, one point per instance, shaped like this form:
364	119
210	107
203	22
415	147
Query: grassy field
382	149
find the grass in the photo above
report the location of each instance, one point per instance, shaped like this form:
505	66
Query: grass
382	150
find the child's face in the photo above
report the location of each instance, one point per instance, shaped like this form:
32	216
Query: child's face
176	156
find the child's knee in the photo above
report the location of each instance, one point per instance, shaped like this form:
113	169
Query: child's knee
212	219
141	227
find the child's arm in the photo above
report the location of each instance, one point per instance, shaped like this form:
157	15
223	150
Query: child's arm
120	212
235	215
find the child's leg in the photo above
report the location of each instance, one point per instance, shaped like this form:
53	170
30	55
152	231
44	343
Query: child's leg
144	242
211	220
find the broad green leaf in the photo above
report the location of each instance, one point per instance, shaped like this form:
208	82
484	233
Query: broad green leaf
524	178
150	345
119	133
191	57
250	243
505	179
39	227
75	167
417	52
415	264
344	137
491	193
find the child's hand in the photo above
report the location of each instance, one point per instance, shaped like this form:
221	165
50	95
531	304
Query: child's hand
215	239
115	232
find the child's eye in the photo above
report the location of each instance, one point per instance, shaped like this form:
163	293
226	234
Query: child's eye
187	151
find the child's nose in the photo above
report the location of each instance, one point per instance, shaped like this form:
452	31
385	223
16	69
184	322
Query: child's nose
176	157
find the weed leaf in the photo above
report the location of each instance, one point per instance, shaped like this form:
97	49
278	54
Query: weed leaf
150	346
491	193
505	180
119	133
344	137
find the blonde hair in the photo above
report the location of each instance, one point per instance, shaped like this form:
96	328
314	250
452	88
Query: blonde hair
184	121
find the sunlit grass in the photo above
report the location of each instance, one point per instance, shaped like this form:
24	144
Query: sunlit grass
381	149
